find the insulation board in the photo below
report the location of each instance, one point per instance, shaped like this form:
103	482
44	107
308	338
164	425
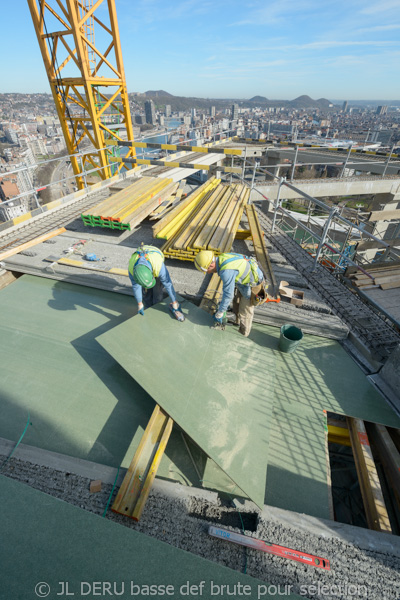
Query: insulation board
80	401
212	383
50	542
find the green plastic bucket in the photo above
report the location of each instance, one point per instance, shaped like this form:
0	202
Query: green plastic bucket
290	338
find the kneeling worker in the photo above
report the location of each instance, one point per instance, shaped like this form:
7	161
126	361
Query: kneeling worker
147	271
234	270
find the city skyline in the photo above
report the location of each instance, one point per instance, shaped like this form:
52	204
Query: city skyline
280	50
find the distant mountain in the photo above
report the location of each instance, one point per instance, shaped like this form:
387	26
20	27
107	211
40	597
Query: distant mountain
158	93
324	102
303	102
183	103
179	103
261	99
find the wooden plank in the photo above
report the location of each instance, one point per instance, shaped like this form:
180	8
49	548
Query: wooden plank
228	236
236	218
38	240
384	215
374	504
388	453
135	488
260	249
328	469
182	206
387	276
206	233
243	234
196	221
390	286
90	266
153	470
370	245
338	435
6	277
375	266
213	294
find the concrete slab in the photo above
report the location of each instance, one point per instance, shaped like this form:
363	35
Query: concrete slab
389	300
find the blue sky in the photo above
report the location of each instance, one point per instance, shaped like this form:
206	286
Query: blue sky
280	49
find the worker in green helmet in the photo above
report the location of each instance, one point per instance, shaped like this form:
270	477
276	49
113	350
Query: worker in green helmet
148	272
242	281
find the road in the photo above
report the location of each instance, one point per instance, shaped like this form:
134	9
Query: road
61	172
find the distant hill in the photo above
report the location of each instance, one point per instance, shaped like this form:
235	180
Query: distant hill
304	102
261	99
324	102
158	93
183	103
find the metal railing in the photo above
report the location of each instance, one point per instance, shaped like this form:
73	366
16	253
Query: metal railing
332	215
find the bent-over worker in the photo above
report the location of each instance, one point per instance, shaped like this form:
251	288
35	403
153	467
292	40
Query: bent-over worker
235	270
148	272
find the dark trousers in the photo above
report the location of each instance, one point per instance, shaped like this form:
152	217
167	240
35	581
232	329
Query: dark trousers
154	295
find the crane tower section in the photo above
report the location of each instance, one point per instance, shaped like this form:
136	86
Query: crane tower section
81	49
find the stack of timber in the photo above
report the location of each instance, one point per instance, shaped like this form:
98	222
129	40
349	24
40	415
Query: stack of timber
386	276
130	206
169	203
207	220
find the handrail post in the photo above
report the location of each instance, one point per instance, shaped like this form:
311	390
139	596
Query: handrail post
294	164
346	161
244	162
387	162
278	203
327	225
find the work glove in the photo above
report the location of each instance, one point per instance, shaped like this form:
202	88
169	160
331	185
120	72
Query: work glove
218	316
141	312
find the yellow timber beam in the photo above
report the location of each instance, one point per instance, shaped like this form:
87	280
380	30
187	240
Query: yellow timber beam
181	147
374	503
174	164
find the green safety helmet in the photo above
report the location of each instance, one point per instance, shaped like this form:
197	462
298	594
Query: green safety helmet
144	276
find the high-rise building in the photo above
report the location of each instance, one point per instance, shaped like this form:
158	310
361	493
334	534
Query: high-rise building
212	111
150	112
381	110
345	105
168	110
235	112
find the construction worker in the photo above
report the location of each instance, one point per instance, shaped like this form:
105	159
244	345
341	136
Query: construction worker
236	271
147	271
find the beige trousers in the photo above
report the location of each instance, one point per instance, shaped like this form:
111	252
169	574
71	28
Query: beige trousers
244	311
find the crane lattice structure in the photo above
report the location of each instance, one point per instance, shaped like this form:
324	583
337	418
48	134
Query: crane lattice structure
88	85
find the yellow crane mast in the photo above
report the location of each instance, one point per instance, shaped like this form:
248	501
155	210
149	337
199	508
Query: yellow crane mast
88	84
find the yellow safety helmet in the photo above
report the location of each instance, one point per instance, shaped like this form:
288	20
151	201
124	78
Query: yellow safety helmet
203	260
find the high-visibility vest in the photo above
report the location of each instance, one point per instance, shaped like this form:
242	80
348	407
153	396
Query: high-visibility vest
247	267
150	253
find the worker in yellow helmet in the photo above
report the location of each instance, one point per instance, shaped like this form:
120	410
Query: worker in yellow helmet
148	272
236	271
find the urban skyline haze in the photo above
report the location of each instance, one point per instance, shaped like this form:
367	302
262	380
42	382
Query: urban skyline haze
279	49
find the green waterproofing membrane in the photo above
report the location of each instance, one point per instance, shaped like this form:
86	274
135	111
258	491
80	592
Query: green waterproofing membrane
296	474
81	402
321	375
297	467
63	551
249	407
211	382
